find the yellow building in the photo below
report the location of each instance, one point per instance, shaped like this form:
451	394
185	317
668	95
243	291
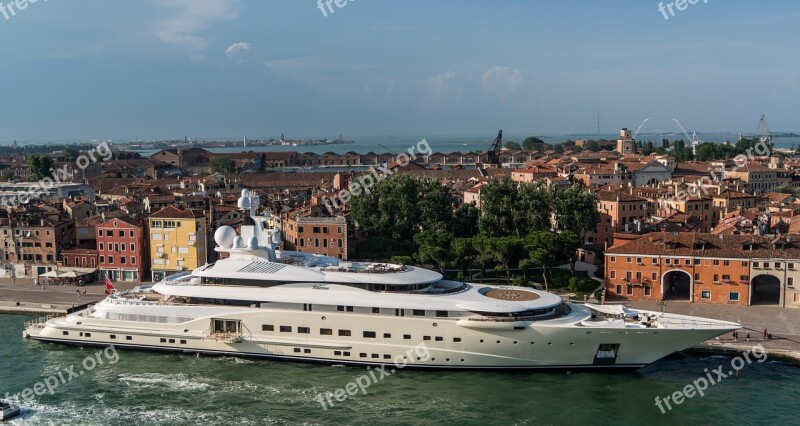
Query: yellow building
177	241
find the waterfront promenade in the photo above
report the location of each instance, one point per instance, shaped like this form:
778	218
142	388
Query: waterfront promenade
24	297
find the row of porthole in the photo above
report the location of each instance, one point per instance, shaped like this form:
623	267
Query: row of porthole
516	342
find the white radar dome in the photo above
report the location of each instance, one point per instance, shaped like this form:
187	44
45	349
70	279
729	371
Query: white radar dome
224	236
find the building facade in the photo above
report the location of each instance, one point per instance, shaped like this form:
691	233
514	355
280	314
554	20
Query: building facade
177	241
705	268
122	254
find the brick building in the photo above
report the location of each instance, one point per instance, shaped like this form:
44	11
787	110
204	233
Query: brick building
122	254
319	235
705	268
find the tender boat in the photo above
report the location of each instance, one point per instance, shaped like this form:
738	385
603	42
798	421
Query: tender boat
8	411
262	302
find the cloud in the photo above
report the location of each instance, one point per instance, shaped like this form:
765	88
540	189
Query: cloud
237	52
445	89
190	20
501	81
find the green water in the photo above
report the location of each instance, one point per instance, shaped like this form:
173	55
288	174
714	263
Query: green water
149	388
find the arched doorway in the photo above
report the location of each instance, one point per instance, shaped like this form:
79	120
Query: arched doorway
765	290
676	285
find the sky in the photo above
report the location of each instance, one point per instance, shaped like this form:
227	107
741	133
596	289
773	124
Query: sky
159	69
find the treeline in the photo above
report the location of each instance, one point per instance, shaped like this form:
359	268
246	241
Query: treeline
413	220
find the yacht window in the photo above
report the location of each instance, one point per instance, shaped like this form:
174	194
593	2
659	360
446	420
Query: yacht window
297	350
112	336
456	339
340	308
406	337
345	333
66	333
349	309
387	356
439	339
419	312
303	330
369	334
307	351
286	329
172	340
362	355
326	331
183	342
337	353
128	338
88	334
441	313
347	354
163	340
376	356
387	335
376	310
267	327
426	337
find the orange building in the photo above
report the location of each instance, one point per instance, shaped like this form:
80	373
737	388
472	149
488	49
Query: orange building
618	212
705	268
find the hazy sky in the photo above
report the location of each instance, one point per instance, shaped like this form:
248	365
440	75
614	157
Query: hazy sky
86	69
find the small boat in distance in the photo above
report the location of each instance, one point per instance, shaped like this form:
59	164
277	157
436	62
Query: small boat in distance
8	411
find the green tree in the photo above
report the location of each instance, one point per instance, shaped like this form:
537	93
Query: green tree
513	145
576	211
400	206
591	145
541	247
465	221
534	207
224	165
532	143
570	242
434	248
69	154
464	253
40	166
499	203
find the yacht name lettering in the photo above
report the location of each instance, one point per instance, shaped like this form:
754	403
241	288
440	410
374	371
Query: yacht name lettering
320	287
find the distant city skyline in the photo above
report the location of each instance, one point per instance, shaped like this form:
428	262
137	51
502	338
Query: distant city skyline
155	70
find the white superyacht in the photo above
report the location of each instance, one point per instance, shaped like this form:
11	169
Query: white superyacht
262	302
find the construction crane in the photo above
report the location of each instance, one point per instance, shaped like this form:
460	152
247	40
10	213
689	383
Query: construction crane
493	155
640	127
693	139
763	130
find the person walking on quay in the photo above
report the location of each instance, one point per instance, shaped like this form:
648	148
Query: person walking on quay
765	333
748	337
79	293
735	335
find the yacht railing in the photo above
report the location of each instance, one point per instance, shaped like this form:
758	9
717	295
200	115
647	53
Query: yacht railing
40	322
370	269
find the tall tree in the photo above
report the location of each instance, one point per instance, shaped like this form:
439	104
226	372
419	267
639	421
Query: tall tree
513	145
465	221
532	143
535	200
576	210
434	248
224	165
40	166
464	253
499	204
541	247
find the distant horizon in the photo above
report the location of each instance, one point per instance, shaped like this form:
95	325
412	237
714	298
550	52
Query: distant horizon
517	137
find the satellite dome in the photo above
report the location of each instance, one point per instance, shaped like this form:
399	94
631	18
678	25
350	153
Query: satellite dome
224	236
253	242
238	242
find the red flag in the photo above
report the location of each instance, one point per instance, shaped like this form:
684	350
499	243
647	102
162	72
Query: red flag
109	286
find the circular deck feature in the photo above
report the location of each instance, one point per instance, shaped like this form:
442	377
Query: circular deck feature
515	295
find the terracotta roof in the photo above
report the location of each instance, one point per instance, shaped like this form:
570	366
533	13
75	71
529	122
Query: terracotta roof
172	212
720	246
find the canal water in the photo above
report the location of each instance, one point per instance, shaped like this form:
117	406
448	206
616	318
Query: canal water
125	387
